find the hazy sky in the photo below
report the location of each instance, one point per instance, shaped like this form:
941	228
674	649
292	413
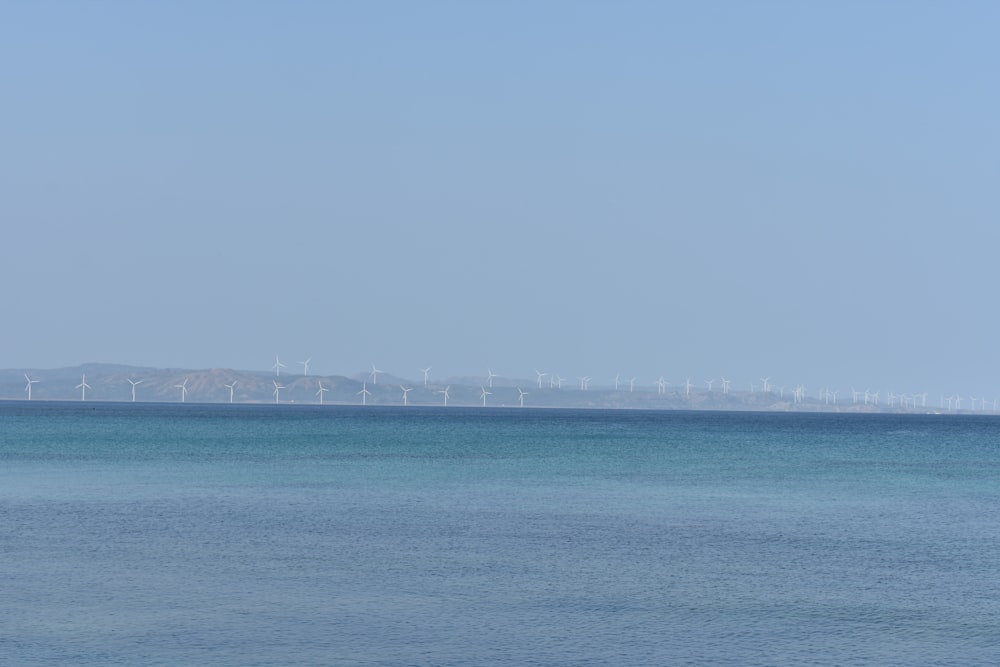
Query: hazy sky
801	190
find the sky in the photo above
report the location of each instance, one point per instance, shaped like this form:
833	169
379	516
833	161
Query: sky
800	191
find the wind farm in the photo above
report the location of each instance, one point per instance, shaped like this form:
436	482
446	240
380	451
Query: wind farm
492	390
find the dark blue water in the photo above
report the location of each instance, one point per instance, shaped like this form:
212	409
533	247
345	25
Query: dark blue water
288	535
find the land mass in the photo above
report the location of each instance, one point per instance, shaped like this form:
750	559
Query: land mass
115	382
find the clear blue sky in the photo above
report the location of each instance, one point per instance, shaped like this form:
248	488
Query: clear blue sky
806	191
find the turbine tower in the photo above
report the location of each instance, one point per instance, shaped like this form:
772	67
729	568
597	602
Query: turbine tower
305	366
522	395
134	383
231	387
322	390
406	390
83	387
489	377
484	395
374	374
277	366
445	392
28	387
183	387
277	390
425	371
540	376
364	393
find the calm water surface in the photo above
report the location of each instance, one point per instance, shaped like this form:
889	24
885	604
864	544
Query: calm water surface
289	535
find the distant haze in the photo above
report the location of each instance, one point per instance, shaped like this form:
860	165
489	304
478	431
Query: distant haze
799	191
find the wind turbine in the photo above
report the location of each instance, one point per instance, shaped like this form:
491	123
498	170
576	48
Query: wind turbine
484	395
618	381
374	374
540	376
83	387
364	393
305	366
709	383
134	383
277	366
183	387
28	387
489	377
522	395
277	390
445	392
425	371
322	390
230	387
406	390
687	388
559	381
631	385
725	386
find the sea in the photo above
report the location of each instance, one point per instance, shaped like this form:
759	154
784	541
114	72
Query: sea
185	534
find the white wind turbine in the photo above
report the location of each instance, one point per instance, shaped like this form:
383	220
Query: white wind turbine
183	387
725	386
445	392
618	381
489	377
710	383
28	387
374	374
277	391
484	395
559	381
83	387
406	390
277	366
425	371
687	388
540	376
230	387
631	385
322	390
521	396
364	393
305	366
134	383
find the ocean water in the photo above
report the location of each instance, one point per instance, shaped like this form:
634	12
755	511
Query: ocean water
293	535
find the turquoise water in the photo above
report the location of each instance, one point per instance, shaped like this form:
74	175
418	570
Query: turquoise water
290	535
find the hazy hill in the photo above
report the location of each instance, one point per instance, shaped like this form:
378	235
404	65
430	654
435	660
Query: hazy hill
111	382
